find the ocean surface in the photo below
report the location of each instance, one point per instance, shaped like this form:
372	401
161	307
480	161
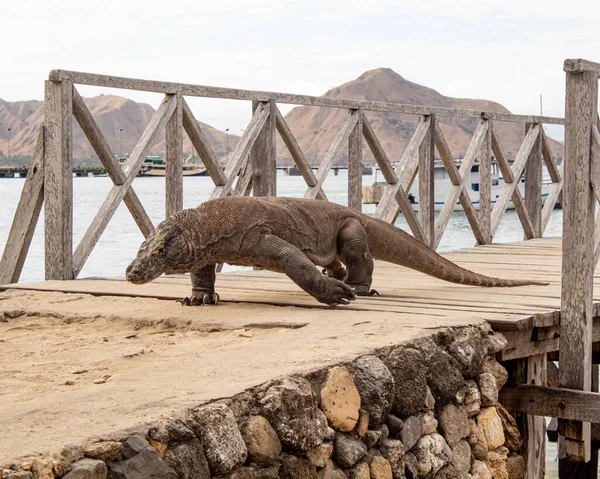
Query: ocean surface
121	239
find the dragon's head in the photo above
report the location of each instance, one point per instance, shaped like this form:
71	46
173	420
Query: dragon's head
166	250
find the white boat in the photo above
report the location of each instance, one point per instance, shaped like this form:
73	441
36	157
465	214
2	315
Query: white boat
156	166
442	186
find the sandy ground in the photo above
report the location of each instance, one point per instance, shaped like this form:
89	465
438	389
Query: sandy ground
76	366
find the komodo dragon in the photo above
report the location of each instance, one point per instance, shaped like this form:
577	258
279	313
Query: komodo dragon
291	236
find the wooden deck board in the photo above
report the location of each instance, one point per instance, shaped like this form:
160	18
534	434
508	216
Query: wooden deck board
403	291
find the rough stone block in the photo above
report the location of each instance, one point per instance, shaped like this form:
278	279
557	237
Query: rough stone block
320	454
375	385
411	432
432	453
512	436
490	427
497	466
188	460
472	400
381	468
134	445
106	451
347	450
330	471
515	465
408	369
461	456
453	422
293	467
87	469
340	400
261	440
147	464
479	470
488	388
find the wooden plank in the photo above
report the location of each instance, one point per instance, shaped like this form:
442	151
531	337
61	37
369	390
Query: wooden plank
535	439
533	184
578	65
243	185
297	154
238	94
548	157
174	160
551	199
117	192
207	155
517	170
455	191
387	209
578	253
485	185
379	153
325	166
554	402
355	165
114	170
58	181
552	373
595	178
26	217
242	150
426	184
263	155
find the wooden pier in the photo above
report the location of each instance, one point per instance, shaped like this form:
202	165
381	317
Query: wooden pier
538	321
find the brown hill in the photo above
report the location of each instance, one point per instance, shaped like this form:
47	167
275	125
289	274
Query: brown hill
315	128
110	112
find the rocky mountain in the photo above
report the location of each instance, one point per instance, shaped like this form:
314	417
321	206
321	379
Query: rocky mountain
314	128
111	113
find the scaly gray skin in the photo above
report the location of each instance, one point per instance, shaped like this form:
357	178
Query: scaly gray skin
291	236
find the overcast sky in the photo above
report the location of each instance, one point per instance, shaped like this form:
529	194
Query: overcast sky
509	51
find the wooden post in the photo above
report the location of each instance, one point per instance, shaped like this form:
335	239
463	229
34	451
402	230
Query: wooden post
485	185
578	255
58	181
174	161
264	154
426	182
533	184
355	165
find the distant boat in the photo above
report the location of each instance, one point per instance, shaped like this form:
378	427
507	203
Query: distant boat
442	186
156	166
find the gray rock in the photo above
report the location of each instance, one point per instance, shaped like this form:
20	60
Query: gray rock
395	425
385	433
106	451
450	471
443	375
411	466
432	453
331	472
87	469
168	432
147	464
461	456
133	446
347	451
393	450
488	388
291	408
453	422
224	446
271	472
408	369
472	399
375	385
243	472
469	352
371	438
429	423
188	460
293	467
411	432
261	440
495	342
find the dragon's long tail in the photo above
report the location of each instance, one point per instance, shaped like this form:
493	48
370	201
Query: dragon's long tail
391	244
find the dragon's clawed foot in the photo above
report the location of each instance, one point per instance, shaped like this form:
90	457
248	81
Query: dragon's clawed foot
373	292
200	299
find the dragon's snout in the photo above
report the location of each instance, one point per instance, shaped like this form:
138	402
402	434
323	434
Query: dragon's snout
132	274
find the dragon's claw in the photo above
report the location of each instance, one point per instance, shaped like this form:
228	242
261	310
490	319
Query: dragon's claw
200	299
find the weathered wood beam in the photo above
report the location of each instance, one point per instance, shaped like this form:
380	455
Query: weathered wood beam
535	438
548	157
207	155
242	150
114	170
455	191
117	192
426	184
174	160
579	65
554	355
325	166
263	155
379	153
387	209
595	179
243	185
517	170
485	186
237	94
355	165
578	254
26	217
297	154
554	402
553	196
516	194
533	184
58	180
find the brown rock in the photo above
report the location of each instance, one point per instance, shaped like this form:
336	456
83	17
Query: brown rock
295	468
497	466
320	454
512	436
261	441
331	472
63	458
160	447
107	451
490	426
496	342
461	456
41	468
479	470
488	388
515	465
474	433
472	400
479	451
453	423
340	400
363	423
380	468
360	471
429	423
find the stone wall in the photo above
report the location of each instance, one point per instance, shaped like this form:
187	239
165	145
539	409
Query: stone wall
427	409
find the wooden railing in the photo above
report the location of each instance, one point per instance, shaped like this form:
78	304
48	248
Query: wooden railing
251	167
